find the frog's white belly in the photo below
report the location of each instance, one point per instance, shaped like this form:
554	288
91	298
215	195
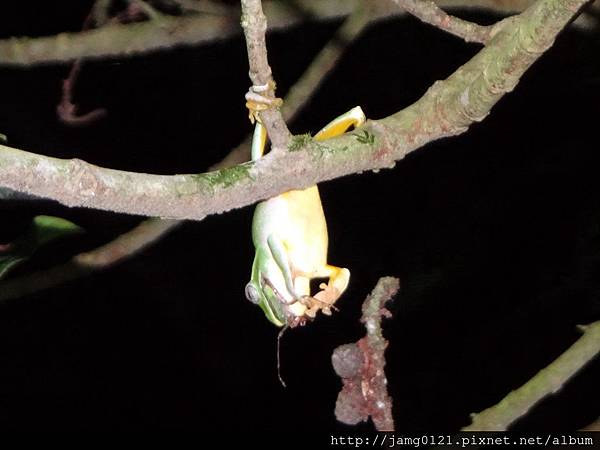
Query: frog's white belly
297	219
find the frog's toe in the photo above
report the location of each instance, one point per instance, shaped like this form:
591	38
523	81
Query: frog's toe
311	312
306	300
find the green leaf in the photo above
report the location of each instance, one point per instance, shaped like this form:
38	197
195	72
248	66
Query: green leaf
49	228
43	229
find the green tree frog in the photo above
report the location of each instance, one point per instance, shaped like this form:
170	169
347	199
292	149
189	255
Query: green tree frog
289	232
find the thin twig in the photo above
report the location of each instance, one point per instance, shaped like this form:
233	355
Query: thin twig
254	24
68	111
429	12
100	13
362	365
547	382
594	426
146	8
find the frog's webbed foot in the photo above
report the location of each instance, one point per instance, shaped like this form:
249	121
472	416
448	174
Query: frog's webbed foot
339	278
326	298
257	101
307	305
329	293
322	301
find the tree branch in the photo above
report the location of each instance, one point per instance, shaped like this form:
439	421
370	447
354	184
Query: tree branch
594	426
362	365
446	109
548	381
428	12
119	40
304	89
254	24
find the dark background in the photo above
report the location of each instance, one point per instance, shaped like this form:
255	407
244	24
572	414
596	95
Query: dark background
495	236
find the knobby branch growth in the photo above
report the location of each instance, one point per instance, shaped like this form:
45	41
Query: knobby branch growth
361	365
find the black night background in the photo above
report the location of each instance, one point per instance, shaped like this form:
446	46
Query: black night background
495	236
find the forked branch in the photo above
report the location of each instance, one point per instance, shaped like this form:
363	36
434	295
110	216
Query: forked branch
429	12
448	108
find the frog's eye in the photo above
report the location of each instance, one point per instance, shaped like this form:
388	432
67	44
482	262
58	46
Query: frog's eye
252	293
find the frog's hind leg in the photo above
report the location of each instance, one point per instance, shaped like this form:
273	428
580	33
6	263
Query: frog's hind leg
259	140
353	118
339	277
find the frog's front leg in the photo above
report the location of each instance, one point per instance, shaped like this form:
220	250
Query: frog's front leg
298	285
280	255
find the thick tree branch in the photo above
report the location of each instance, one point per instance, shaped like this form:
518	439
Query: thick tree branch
446	109
139	38
548	381
428	12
